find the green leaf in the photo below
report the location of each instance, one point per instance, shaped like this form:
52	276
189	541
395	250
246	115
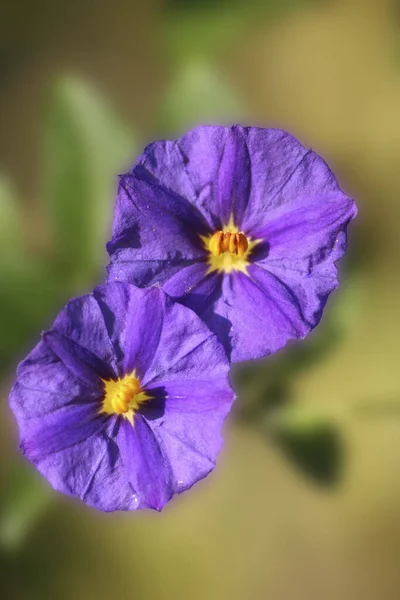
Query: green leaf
312	443
193	34
29	289
199	94
29	294
270	383
24	500
86	147
207	29
10	222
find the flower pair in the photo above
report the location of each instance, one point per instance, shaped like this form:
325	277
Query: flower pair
122	401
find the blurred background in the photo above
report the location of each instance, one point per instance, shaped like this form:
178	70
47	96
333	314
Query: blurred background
305	501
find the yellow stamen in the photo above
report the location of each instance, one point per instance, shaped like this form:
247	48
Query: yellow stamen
242	244
229	249
123	396
234	243
215	243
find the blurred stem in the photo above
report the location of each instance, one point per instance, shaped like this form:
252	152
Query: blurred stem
307	417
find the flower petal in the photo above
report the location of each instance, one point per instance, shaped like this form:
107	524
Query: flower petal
187	349
45	384
194	285
124	267
195	288
305	232
251	316
92	470
155	232
224	171
82	364
60	429
209	166
303	245
283	174
148	471
134	318
150	219
194	395
82	321
263	313
230	170
189	167
189	426
144	326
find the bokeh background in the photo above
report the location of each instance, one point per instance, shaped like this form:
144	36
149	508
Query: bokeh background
305	501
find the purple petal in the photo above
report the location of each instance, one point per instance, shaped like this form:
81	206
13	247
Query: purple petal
199	291
187	349
124	267
193	286
144	326
82	364
306	231
303	245
92	470
284	174
190	426
262	312
154	222
233	176
193	396
60	429
148	470
203	167
134	318
251	316
45	384
82	321
223	170
189	167
155	231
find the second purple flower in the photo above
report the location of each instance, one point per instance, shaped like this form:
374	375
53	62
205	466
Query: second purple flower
243	225
122	402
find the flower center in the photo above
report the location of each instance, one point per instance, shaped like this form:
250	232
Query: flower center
123	396
228	249
226	241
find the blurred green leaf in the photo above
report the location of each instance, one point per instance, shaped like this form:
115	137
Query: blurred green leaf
203	35
198	94
10	222
198	29
350	301
270	383
29	293
86	147
24	500
313	443
265	385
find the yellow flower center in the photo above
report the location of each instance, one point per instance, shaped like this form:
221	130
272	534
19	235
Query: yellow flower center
229	249
123	396
234	243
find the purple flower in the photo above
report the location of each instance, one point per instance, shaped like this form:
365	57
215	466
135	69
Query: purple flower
121	403
243	225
